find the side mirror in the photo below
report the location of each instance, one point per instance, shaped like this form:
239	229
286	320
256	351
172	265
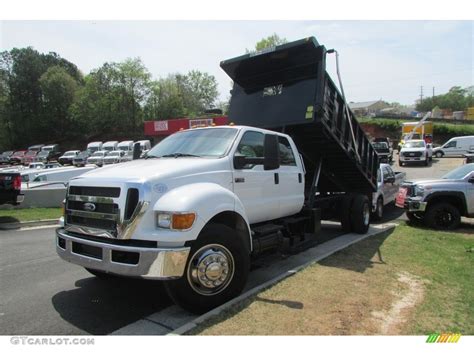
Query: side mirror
136	151
272	153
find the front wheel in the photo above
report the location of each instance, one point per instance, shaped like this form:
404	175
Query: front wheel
443	216
400	163
216	270
439	154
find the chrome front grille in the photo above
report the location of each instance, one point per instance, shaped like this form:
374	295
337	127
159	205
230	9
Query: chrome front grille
103	211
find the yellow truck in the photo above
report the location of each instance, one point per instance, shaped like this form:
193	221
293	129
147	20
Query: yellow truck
470	113
416	130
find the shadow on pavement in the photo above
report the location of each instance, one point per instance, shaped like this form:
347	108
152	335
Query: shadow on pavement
101	306
368	253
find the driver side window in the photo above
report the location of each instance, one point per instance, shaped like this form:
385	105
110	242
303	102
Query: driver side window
251	146
451	144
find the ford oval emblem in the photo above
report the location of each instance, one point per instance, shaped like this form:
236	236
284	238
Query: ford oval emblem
89	207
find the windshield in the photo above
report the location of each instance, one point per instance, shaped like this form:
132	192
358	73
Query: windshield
31	153
459	173
114	154
68	154
124	148
108	148
43	153
47	149
380	145
212	142
98	154
419	144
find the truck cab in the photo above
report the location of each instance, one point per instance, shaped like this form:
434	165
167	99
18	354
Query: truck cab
110	146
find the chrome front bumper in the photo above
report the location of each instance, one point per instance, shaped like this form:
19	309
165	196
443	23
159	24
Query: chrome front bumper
151	263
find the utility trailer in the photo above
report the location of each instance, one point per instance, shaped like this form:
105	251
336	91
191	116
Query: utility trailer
287	89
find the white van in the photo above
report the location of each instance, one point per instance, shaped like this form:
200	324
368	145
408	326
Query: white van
110	146
94	147
456	146
145	146
126	146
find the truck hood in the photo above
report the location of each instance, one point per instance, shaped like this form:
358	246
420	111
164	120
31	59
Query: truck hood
429	182
143	170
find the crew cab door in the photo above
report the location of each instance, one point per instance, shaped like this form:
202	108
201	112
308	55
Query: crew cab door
291	179
256	188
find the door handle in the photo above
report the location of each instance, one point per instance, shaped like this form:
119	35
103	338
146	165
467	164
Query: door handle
239	180
277	178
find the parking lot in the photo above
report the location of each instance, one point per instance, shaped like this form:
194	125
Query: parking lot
42	294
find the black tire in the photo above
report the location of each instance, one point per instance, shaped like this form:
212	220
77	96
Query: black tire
443	216
360	214
346	215
439	154
415	217
215	241
427	161
101	274
378	213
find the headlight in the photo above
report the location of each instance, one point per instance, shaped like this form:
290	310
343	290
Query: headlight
175	221
419	190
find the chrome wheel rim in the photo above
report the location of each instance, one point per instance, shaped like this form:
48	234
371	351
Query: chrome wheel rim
211	269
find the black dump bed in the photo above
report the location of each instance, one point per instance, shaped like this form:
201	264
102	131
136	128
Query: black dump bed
287	89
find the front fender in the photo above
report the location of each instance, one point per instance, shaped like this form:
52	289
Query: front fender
206	199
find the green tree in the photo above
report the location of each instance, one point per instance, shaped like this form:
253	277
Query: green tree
267	42
59	89
456	99
198	91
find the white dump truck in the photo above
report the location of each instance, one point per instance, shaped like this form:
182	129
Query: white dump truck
205	201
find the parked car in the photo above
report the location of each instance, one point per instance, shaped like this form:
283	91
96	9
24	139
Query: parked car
17	157
440	203
389	144
388	183
456	146
49	153
81	158
29	157
114	157
414	151
10	188
383	151
5	157
68	157
97	158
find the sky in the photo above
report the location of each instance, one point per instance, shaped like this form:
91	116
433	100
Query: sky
388	60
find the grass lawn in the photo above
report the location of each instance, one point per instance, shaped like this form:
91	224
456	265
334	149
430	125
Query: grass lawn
29	214
413	281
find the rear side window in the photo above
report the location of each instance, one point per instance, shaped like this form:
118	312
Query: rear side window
286	153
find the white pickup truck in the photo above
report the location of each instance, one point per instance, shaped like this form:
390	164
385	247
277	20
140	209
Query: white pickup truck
388	183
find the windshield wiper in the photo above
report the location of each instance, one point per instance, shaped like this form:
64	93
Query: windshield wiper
179	155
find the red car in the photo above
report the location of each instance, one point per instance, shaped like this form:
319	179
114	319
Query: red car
17	157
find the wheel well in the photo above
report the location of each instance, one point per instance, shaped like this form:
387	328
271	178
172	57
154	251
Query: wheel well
235	221
453	200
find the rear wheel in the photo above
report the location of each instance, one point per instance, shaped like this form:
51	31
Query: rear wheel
443	216
216	270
